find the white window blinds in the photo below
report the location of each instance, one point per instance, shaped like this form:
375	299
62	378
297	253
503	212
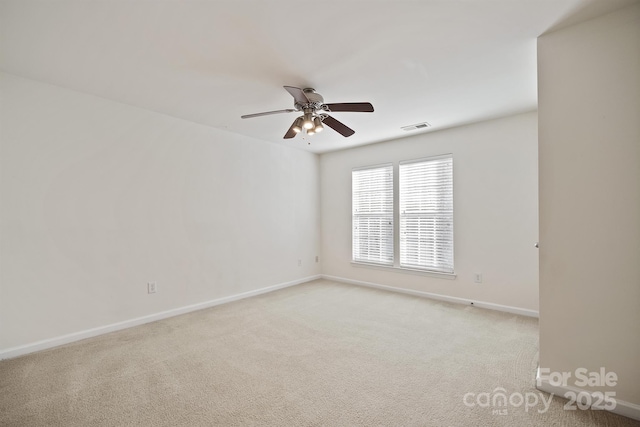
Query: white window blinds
372	198
426	214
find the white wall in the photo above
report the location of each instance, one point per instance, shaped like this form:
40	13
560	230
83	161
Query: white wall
98	198
589	118
495	202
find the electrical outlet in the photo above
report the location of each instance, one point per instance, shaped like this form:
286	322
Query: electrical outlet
477	277
152	287
317	258
299	263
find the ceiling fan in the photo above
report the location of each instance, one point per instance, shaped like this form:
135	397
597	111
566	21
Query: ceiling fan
314	113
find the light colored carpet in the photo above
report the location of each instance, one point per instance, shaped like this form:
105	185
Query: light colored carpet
317	354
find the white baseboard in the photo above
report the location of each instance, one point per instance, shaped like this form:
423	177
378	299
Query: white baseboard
626	409
481	304
77	336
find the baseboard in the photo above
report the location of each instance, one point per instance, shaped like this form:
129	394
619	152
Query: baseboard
481	304
626	409
77	336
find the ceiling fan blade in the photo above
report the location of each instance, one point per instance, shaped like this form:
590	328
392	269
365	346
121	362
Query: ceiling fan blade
291	133
363	107
248	116
297	94
338	126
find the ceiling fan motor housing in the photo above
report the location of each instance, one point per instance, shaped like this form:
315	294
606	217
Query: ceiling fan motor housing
315	100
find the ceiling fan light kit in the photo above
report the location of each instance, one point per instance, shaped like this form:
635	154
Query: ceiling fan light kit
314	110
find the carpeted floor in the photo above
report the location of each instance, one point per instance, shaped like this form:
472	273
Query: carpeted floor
317	354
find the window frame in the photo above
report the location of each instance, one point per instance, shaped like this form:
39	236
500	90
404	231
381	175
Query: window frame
393	219
435	216
396	223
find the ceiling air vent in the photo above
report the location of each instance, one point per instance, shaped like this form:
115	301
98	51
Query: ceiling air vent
417	126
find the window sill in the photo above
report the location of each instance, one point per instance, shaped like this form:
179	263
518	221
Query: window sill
447	276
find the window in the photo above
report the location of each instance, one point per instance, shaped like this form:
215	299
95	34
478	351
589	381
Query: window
372	214
423	206
426	214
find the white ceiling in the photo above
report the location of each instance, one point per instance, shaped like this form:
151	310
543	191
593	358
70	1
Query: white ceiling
447	62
